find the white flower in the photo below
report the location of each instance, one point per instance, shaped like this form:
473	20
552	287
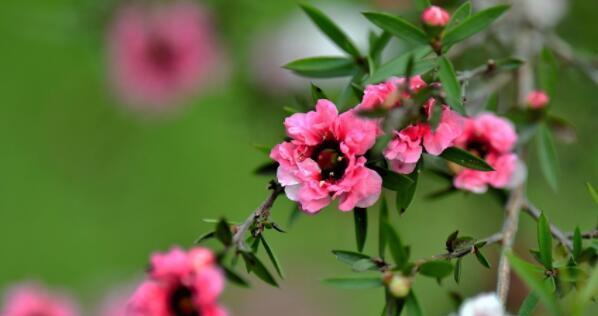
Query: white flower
483	305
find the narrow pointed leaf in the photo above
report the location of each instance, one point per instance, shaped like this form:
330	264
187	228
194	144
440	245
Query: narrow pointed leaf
361	227
323	67
463	12
436	269
272	257
354	283
330	29
258	268
223	232
317	93
397	250
234	278
508	63
473	24
394	181
407	192
398	27
349	257
547	156
412	305
450	84
465	159
532	277
481	258
593	192
457	272
383	218
205	237
545	241
398	65
378	45
529	305
547	72
364	265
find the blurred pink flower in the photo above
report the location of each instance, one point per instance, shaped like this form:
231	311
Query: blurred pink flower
386	94
180	283
492	138
435	16
324	159
537	99
32	299
161	54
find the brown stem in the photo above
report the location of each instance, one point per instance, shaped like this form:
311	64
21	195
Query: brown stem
261	212
592	234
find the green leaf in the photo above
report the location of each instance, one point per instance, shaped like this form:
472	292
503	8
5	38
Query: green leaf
258	268
223	233
290	110
383	218
398	65
587	293
473	24
457	272
323	67
547	156
234	278
349	257
461	14
436	269
360	216
509	63
465	159
577	244
492	103
354	283
412	305
593	192
407	192
272	257
394	181
378	44
364	265
397	250
398	27
421	5
529	305
481	258
547	72
327	26
450	84
205	237
545	241
317	93
531	275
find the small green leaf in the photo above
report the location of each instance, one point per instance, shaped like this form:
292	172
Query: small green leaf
323	67
364	265
272	257
317	93
481	258
383	218
205	237
398	65
529	305
234	278
354	283
328	27
577	244
397	250
532	276
465	159
398	27
547	156
394	181
463	12
361	226
436	269
547	72
545	241
349	257
450	84
509	63
407	192
593	192
412	305
457	272
223	233
473	24
263	148
258	268
451	241
378	44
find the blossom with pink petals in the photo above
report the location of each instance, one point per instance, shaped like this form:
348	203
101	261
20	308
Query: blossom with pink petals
324	159
180	283
492	138
160	54
435	16
386	95
537	99
32	299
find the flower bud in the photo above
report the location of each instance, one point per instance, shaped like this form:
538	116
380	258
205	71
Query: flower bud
537	99
435	16
399	286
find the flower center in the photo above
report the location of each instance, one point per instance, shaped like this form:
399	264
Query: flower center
331	160
181	302
478	147
161	54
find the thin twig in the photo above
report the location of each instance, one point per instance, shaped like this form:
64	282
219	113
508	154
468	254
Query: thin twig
592	234
261	212
533	211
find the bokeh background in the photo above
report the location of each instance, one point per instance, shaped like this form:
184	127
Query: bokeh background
88	189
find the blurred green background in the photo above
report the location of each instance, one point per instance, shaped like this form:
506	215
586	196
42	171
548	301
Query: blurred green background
88	190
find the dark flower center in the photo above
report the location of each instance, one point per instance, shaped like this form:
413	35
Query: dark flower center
331	160
161	54
181	302
478	147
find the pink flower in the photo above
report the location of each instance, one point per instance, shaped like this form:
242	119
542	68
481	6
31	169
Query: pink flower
32	299
493	139
537	99
180	283
160	54
435	16
386	94
324	159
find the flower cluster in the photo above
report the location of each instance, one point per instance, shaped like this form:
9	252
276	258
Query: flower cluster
180	284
